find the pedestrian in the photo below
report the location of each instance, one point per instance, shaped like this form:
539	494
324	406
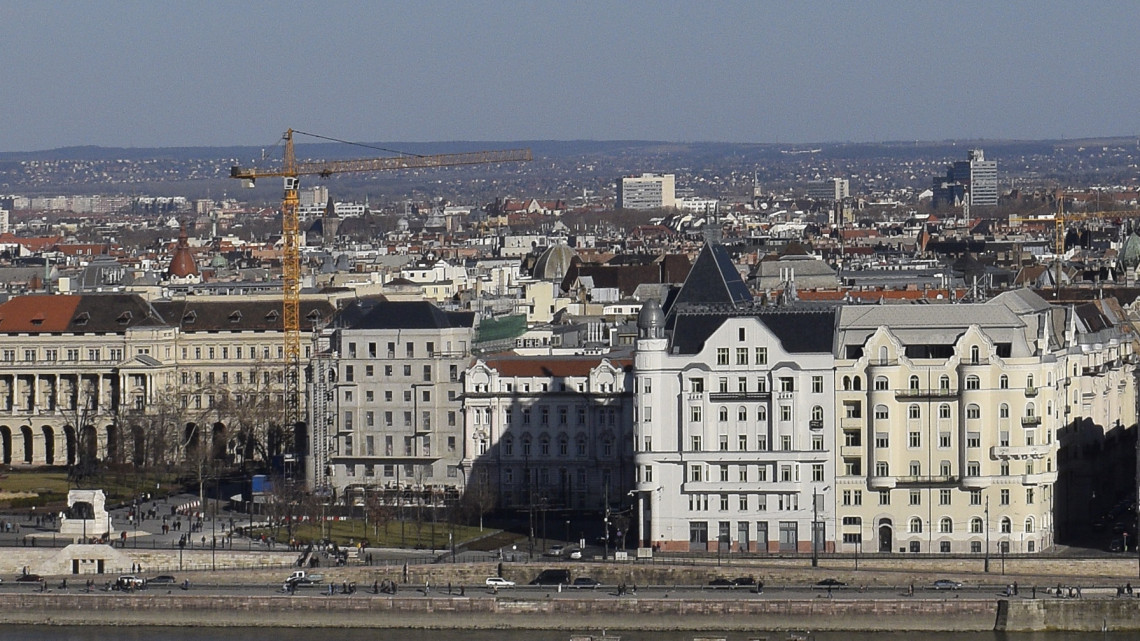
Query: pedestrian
1015	588
449	587
1034	591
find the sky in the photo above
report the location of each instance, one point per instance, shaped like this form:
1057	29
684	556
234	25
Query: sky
220	73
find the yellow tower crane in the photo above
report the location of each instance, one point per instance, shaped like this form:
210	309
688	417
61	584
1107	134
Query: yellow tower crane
291	170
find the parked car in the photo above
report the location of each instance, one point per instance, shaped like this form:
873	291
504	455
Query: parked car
162	579
576	554
555	550
720	583
499	582
129	582
946	584
29	578
585	582
830	583
744	581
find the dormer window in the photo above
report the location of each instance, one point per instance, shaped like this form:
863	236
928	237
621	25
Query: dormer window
82	319
235	317
124	318
39	319
189	317
272	315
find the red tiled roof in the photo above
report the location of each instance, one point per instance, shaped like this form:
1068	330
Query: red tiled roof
36	314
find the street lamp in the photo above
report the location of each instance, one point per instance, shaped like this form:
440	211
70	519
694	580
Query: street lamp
987	512
815	529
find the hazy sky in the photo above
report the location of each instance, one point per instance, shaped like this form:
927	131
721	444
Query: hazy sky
165	73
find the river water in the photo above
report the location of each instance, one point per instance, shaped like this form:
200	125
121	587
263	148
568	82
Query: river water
93	633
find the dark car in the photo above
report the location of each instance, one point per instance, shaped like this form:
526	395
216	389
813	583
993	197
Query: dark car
162	579
830	583
744	581
720	583
585	582
552	577
29	578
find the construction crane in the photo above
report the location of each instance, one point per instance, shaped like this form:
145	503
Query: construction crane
291	170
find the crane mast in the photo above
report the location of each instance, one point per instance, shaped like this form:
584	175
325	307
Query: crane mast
290	172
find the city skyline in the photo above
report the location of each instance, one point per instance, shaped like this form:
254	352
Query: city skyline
222	75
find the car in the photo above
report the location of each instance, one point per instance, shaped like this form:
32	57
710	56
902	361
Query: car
744	581
162	579
29	578
129	582
555	550
720	583
583	582
946	584
499	582
575	554
830	583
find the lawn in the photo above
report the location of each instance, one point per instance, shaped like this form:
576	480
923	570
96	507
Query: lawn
50	487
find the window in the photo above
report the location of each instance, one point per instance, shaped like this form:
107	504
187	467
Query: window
882	468
723	473
884	497
881	413
741	355
1004	498
723	440
944	440
695	413
722	414
912	382
1003	382
973	382
915	525
722	356
944	411
973	468
1006	525
817	443
944	382
914	440
786	443
695	473
944	497
785	412
973	411
761	355
697	385
973	439
946	525
817	472
742	414
1003	411
787	384
817	384
913	412
975	497
882	439
881	383
695	443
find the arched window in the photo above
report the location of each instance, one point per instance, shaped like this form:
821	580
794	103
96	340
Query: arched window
944	382
742	413
881	383
1006	525
975	354
1030	409
882	468
976	525
944	410
881	413
913	411
1003	381
817	413
544	445
1003	411
508	446
946	525
846	383
1029	381
563	445
857	383
973	410
915	525
913	382
526	445
1029	525
883	355
761	413
973	382
722	414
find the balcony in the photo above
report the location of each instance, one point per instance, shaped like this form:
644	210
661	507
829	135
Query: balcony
851	422
1039	478
945	479
1019	453
785	396
695	396
933	393
881	482
1030	421
1030	392
848	451
815	424
740	396
976	482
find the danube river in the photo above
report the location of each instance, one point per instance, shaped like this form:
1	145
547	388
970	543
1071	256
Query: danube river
46	633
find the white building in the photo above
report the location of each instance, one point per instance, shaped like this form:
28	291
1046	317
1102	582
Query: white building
647	191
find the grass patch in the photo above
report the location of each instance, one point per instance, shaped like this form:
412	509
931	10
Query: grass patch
51	486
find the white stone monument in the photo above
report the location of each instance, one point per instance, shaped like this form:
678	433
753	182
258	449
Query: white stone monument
86	517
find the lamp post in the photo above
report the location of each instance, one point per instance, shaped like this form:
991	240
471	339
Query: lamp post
815	529
987	512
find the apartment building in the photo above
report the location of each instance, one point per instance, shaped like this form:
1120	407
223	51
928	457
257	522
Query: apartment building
550	431
387	411
647	191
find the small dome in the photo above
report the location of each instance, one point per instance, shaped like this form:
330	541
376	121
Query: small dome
182	265
650	320
553	263
1130	253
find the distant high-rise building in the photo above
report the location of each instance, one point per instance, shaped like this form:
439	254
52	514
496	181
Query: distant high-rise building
975	178
830	189
647	191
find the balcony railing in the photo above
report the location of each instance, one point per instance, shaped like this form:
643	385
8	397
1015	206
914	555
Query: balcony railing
815	424
740	396
1030	392
1020	452
940	392
939	479
1030	420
